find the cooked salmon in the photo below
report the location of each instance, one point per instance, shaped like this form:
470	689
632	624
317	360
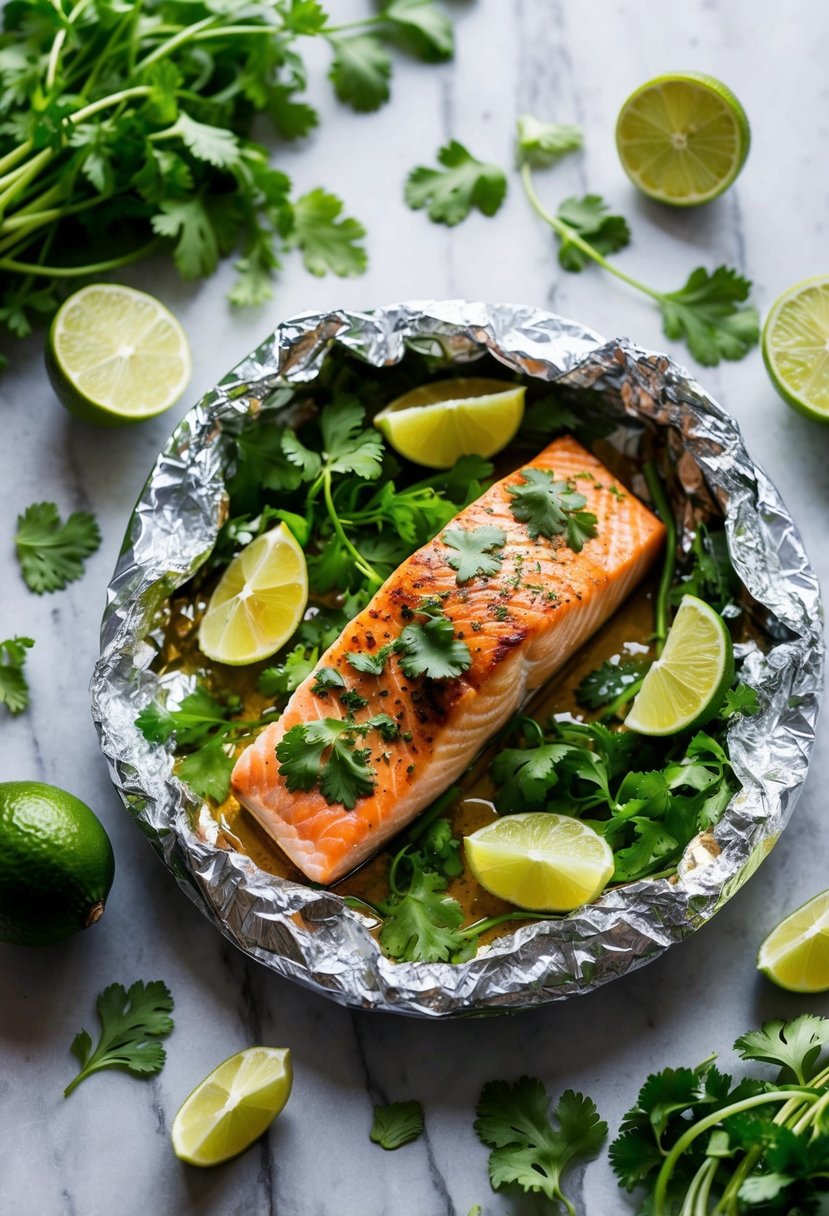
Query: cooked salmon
520	624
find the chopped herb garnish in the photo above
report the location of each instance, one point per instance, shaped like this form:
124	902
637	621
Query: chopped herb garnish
324	754
431	649
326	679
368	663
474	550
551	508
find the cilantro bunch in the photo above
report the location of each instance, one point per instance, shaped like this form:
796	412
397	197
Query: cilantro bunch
125	128
697	1143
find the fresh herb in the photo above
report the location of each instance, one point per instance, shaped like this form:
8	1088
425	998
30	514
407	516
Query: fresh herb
430	648
281	679
528	1151
127	128
326	679
542	143
740	700
51	552
613	682
397	1124
324	755
451	192
205	731
711	576
421	922
132	1022
694	1142
14	689
709	312
474	550
370	663
550	508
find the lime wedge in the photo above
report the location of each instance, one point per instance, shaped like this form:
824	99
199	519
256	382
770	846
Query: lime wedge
796	347
540	861
438	423
686	686
232	1106
258	602
116	355
682	138
795	955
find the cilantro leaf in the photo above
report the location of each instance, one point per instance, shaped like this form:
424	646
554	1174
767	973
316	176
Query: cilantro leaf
283	678
422	26
305	17
369	663
590	217
328	240
740	700
795	1046
525	776
422	924
14	690
706	315
350	448
450	193
431	649
550	508
360	71
543	143
474	550
192	722
527	1150
325	680
397	1124
187	221
207	770
216	145
51	552
324	754
131	1023
610	681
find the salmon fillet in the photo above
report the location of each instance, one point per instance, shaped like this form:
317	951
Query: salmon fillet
520	625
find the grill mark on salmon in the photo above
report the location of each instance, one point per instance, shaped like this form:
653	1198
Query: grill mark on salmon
520	626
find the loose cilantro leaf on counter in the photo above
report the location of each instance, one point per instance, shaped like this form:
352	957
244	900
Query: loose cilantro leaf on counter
431	649
360	71
590	217
527	1149
474	550
397	1124
610	681
422	25
328	240
14	690
550	508
132	1022
51	552
451	192
542	143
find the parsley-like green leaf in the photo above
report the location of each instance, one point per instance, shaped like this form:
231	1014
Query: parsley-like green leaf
550	508
192	722
350	448
451	192
51	552
207	770
326	679
543	143
609	681
187	221
795	1046
14	690
397	1124
216	145
706	315
431	649
360	71
474	550
527	1149
740	700
324	754
422	924
422	26
592	219
281	679
132	1022
329	241
369	663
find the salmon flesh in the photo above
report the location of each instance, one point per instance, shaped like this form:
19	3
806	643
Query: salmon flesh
520	626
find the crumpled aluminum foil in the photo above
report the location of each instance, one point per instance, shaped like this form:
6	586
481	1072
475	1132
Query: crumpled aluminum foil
309	935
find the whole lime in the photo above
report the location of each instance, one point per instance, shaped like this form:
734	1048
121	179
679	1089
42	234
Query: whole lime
56	864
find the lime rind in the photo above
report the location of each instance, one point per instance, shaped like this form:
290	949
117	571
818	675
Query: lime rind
683	138
795	347
795	955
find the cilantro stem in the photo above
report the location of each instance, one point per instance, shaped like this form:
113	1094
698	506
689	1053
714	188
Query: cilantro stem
702	1125
570	234
360	562
106	103
660	501
19	178
60	39
72	272
185	34
17	154
491	922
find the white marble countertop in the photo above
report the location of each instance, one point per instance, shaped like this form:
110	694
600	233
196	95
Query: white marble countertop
107	1149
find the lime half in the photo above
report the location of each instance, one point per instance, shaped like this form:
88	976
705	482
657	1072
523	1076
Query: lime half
795	955
232	1106
686	686
438	423
796	347
540	861
258	602
116	355
682	138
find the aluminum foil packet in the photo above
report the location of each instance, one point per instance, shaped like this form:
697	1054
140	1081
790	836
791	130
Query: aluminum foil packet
309	935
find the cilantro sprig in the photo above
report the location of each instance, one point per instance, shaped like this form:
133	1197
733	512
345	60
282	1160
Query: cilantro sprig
132	1022
552	508
528	1150
709	312
461	183
51	551
426	648
14	688
324	755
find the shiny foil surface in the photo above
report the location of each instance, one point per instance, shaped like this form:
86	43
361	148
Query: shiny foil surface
310	935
